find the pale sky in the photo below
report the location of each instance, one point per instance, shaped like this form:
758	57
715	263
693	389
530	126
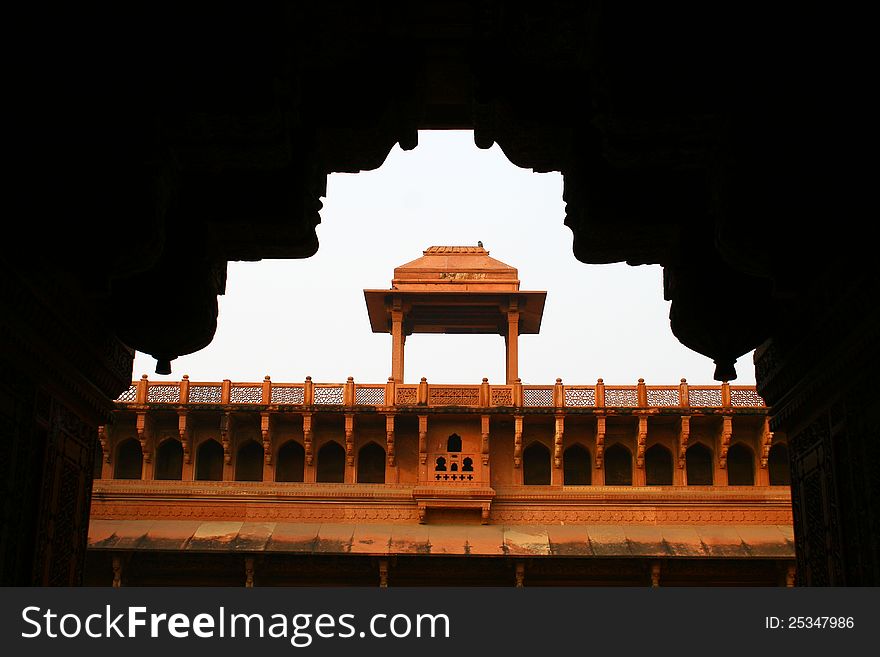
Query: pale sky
293	318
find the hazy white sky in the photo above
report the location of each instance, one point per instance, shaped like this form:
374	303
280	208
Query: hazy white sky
293	318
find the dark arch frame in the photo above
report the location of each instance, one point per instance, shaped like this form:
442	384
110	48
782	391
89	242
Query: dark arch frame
659	470
619	463
536	464
129	462
249	461
209	461
290	462
577	466
740	465
331	463
169	460
699	465
371	463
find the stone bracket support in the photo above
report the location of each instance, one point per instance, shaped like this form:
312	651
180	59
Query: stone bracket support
726	433
307	438
389	439
183	433
349	438
517	440
144	433
558	435
684	434
641	440
266	433
600	441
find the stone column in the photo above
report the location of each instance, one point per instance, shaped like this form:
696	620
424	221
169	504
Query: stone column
512	343
398	340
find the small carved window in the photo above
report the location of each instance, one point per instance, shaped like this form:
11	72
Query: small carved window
129	460
331	463
209	461
618	466
777	463
576	470
740	466
440	464
658	466
371	464
536	465
169	460
453	443
698	460
290	465
467	464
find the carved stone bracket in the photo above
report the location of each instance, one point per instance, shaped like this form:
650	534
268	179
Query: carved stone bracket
726	432
144	426
184	434
307	438
484	442
105	443
684	435
766	442
517	440
557	441
349	438
389	439
600	440
225	437
423	439
641	439
266	431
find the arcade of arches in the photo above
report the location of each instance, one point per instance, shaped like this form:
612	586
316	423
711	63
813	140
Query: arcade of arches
677	145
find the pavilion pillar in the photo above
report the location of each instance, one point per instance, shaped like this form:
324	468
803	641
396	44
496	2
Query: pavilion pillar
398	340
511	340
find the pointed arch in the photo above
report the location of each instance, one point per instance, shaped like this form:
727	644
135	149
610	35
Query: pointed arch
453	443
169	460
658	466
740	465
129	460
331	463
536	465
209	461
577	466
699	465
778	464
249	462
371	464
618	466
291	462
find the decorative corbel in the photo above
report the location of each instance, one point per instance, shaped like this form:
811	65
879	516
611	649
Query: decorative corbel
684	435
726	433
557	441
349	438
143	426
225	437
265	430
600	440
517	440
105	443
183	433
307	437
389	439
641	439
484	435
423	439
766	442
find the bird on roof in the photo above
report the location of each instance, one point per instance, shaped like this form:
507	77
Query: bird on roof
480	244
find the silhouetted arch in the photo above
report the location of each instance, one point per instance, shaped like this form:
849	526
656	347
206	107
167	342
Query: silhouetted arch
740	465
291	462
618	466
129	460
440	464
467	464
371	464
331	463
209	461
658	466
169	460
698	463
777	463
576	466
453	443
536	465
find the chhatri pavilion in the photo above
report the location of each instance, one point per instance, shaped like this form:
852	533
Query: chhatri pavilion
407	482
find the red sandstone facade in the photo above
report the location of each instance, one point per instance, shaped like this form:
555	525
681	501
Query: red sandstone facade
414	483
